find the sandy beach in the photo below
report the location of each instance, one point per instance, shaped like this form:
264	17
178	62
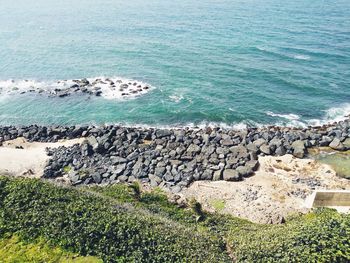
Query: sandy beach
20	157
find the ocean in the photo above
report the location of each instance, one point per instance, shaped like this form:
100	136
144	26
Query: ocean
228	63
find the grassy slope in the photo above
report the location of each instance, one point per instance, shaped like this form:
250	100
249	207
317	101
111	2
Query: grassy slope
117	224
91	224
13	250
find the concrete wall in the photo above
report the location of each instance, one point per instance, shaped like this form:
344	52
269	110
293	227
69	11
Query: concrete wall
331	199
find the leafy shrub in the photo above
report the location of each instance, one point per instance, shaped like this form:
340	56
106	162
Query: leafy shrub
321	236
119	192
197	209
135	187
157	202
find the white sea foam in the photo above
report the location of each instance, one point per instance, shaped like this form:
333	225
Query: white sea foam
302	57
176	98
194	126
111	88
334	114
223	125
262	48
16	86
136	88
290	116
338	113
290	120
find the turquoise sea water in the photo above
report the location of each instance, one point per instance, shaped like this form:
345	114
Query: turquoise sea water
226	62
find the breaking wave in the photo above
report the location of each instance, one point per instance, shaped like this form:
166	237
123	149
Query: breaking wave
334	114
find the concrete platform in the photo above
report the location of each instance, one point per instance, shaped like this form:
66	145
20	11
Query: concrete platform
337	199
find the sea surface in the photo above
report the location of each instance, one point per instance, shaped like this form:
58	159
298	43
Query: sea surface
209	62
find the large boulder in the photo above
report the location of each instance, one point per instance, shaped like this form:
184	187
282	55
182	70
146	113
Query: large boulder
248	169
239	151
207	175
96	177
244	171
259	142
86	149
336	144
253	165
117	160
159	171
227	142
193	148
252	147
232	161
325	141
298	149
265	149
96	147
231	175
163	133
73	177
120	169
275	142
155	180
346	143
281	150
217	175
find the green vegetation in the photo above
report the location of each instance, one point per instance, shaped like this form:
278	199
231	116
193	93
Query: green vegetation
197	209
91	224
122	223
218	205
155	202
136	190
67	169
13	249
322	236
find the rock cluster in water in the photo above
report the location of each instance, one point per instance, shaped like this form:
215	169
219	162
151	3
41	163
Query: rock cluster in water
172	157
96	87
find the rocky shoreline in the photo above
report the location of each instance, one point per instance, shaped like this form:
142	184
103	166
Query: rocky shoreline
171	158
108	87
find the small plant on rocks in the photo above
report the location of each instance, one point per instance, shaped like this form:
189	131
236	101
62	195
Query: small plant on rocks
197	209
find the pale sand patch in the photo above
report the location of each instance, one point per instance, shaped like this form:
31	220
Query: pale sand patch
29	161
279	187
